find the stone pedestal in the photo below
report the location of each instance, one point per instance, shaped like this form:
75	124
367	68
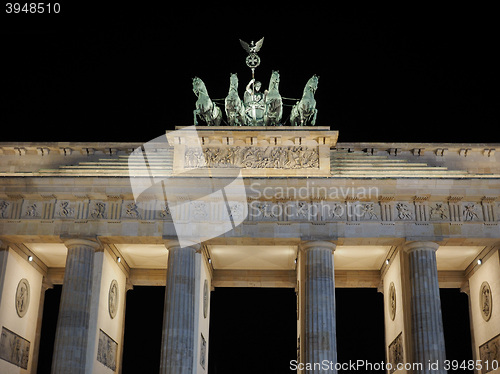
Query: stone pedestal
70	350
177	350
320	335
426	320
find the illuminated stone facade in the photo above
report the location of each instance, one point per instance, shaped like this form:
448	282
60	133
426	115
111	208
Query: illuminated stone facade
404	218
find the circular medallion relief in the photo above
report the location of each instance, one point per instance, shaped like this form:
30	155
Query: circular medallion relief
22	297
113	298
392	301
485	301
205	299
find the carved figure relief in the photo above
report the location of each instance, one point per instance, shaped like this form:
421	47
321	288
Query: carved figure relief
392	301
367	211
107	350
438	212
337	210
236	211
404	212
14	348
291	157
99	210
485	301
113	298
203	351
302	209
489	354
64	210
263	210
396	354
3	208
22	297
131	210
298	349
32	211
470	212
165	211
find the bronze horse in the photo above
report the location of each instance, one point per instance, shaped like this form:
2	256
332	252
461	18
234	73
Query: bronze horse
305	109
235	110
205	108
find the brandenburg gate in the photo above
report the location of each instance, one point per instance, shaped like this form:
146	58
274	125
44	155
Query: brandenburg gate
245	207
251	202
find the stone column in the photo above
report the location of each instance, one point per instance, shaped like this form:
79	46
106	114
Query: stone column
177	349
320	334
70	349
426	320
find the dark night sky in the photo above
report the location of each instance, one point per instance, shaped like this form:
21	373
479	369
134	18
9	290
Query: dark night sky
122	72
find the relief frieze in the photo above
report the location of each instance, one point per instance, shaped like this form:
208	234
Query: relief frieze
14	348
396	353
300	210
107	350
489	354
285	157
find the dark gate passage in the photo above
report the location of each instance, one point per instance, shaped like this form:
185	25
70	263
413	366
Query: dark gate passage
143	329
48	332
252	330
456	325
360	325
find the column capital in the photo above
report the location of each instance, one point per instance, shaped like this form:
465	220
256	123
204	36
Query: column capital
306	245
74	241
172	243
414	245
46	284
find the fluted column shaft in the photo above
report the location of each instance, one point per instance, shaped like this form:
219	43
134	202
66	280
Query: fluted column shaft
320	329
72	331
177	349
426	318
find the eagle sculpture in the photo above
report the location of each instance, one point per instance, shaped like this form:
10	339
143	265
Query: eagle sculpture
252	47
